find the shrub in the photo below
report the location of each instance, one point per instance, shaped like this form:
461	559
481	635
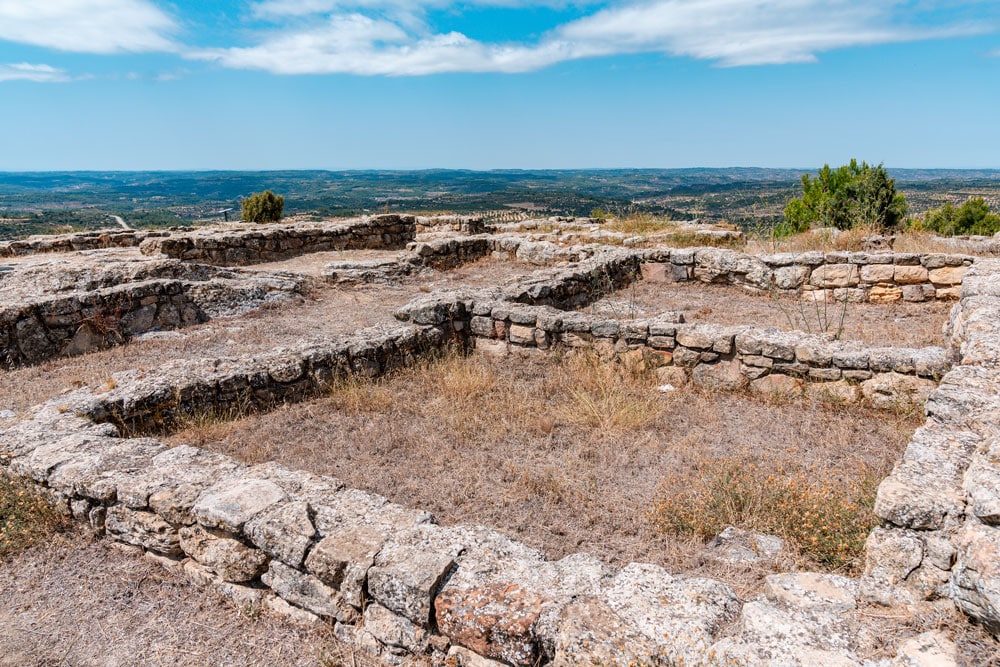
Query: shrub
973	217
826	520
263	207
850	196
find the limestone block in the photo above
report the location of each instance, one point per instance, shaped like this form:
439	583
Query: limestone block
229	505
811	590
928	649
888	391
881	294
283	531
915	501
790	277
835	275
735	547
947	276
230	559
142	529
681	616
591	633
393	631
777	385
342	559
877	273
308	592
405	580
948	293
909	275
724	375
982	483
891	555
976	575
522	335
494	620
918	293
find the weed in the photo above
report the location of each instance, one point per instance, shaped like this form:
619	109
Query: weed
27	517
825	518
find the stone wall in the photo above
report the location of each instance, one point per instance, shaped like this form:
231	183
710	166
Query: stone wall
851	276
395	583
466	224
62	308
721	357
66	325
256	244
104	238
941	504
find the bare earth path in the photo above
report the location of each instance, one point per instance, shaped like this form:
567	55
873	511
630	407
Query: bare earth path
79	603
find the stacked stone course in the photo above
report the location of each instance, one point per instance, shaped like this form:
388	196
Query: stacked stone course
105	238
257	244
395	583
833	276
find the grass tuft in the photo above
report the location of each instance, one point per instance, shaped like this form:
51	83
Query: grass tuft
27	517
825	518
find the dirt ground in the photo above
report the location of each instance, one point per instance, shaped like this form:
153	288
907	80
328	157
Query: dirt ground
82	603
564	456
899	324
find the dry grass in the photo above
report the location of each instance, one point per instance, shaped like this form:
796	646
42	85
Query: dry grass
74	601
852	240
564	454
27	518
825	517
900	324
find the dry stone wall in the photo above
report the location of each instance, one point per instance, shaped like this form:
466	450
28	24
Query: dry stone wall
62	308
105	238
850	276
396	584
256	244
941	504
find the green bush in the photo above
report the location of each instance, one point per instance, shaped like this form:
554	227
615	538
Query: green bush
263	207
850	196
974	217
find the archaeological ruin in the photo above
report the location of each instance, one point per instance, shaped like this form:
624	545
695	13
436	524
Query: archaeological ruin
391	579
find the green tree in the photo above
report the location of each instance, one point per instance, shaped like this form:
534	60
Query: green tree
263	207
972	217
846	197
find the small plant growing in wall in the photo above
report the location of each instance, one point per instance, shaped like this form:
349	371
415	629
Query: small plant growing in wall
263	207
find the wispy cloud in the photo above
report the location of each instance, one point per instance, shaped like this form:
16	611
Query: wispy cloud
735	32
343	37
30	72
88	26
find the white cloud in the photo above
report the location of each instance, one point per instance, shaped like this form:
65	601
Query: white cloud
736	32
87	26
29	72
727	32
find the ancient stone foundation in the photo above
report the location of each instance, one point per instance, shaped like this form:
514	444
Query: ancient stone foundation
256	244
396	584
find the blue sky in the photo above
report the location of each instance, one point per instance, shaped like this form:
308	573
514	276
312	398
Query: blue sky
399	84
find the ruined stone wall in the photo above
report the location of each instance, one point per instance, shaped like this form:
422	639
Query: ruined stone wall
466	224
104	238
941	504
395	583
256	244
82	321
391	580
65	308
851	276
